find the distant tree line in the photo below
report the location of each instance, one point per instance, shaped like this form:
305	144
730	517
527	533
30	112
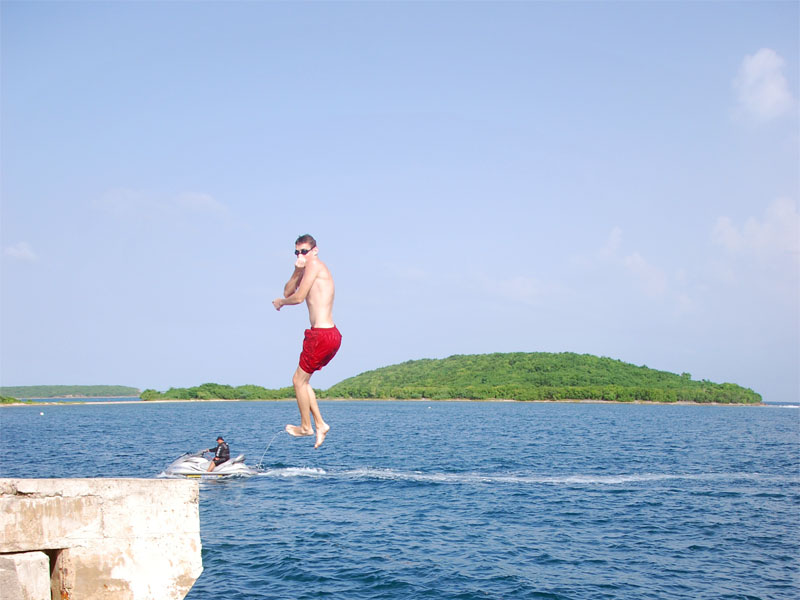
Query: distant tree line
535	376
62	391
511	376
216	391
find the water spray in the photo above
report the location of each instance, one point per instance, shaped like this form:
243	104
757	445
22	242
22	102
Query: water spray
261	462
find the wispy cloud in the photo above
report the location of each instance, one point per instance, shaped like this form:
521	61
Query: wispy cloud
650	278
684	304
777	233
410	273
672	287
21	251
200	203
612	244
146	206
127	203
523	289
763	91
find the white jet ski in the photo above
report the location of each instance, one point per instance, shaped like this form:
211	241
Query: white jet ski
194	465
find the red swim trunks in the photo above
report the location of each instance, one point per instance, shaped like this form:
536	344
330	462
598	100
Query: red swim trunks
319	347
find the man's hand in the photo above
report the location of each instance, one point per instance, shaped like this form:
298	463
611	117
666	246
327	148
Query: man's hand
300	263
277	303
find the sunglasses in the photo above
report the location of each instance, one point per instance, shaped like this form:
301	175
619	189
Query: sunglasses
304	251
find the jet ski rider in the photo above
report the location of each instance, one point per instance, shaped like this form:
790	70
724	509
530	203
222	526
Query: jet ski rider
221	454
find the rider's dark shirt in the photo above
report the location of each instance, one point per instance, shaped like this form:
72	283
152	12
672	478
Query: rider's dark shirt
221	453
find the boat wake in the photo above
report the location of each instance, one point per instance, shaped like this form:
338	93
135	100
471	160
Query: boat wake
380	474
287	472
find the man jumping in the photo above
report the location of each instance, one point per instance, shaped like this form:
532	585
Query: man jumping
311	282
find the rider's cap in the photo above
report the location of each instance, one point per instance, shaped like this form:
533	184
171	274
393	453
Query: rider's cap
219	437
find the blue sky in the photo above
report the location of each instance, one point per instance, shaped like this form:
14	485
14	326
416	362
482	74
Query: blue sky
619	179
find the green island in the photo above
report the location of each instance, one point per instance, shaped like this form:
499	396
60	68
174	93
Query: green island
533	376
217	391
69	391
10	400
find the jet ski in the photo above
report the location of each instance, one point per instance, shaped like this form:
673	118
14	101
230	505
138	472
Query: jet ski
194	465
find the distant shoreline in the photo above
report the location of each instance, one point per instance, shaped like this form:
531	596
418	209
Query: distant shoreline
74	402
77	398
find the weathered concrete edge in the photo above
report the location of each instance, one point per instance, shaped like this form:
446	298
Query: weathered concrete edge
107	538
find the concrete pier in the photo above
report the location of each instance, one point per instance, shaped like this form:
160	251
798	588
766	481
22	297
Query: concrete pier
99	539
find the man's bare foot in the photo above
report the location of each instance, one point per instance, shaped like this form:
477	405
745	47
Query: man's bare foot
298	431
322	431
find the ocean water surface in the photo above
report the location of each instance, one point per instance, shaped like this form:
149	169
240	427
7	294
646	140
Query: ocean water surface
458	500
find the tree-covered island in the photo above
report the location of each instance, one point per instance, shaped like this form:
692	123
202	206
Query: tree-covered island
508	376
69	391
9	400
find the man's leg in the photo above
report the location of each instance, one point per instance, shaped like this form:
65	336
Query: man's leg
300	380
307	403
322	427
211	465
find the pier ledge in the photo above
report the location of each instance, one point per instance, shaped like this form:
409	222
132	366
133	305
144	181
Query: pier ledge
99	539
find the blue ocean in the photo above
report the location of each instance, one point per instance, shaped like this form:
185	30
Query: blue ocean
461	500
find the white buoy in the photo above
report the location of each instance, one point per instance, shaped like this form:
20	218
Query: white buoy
41	413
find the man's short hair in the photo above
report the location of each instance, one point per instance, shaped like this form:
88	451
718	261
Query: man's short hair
306	239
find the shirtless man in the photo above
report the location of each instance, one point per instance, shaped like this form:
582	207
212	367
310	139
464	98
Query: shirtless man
311	282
